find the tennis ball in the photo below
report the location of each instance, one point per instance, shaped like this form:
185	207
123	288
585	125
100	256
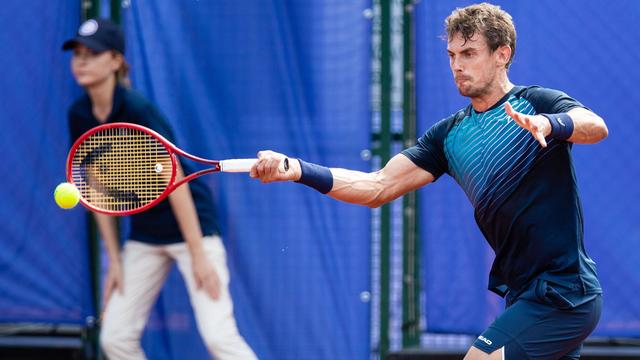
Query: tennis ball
66	195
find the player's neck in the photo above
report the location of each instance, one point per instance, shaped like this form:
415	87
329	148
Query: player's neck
497	91
101	95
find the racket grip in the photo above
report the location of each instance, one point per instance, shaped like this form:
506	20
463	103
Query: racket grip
244	165
237	165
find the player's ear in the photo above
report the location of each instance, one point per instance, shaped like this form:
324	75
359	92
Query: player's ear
503	54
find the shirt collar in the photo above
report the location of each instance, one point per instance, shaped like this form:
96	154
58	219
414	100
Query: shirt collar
497	104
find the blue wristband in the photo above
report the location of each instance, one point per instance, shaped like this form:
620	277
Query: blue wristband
316	176
561	125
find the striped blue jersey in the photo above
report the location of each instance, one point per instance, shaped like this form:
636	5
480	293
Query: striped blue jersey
525	197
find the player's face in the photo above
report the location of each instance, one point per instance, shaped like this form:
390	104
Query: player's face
91	68
473	65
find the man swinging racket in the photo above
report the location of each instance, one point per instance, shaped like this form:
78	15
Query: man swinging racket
510	150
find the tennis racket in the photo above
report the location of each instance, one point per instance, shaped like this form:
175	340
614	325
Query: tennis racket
124	168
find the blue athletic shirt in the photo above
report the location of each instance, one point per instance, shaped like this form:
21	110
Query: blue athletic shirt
525	197
157	225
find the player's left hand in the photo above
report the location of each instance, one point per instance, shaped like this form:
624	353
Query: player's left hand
537	125
206	276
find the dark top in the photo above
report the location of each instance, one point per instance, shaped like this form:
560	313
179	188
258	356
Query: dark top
157	225
525	197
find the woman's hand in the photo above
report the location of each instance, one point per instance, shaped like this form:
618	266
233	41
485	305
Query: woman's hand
113	282
206	276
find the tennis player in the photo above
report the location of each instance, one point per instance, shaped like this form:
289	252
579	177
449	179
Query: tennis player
510	150
181	229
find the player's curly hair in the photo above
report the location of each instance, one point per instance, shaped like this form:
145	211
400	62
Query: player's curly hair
487	19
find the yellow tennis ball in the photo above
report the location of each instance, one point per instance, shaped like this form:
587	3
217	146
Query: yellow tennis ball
66	195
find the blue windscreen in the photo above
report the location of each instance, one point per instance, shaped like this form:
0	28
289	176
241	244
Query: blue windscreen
234	78
44	270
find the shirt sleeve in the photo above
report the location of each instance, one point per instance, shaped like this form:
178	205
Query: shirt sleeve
550	101
428	152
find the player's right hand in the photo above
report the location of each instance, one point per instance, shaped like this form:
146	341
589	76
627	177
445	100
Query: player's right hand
269	167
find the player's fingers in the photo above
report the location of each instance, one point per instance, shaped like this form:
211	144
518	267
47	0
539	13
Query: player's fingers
508	108
253	172
524	122
268	169
512	113
259	167
538	135
263	153
264	170
257	170
517	118
273	166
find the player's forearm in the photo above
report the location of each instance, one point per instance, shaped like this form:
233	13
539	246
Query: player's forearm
588	128
360	188
355	187
109	233
398	177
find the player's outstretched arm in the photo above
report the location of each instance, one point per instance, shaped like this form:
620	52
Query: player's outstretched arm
374	189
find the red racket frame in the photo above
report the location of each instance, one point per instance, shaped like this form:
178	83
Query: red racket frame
171	149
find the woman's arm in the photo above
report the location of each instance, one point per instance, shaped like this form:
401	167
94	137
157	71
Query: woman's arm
109	234
185	212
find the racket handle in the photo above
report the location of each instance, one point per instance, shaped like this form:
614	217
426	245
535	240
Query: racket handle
244	165
237	165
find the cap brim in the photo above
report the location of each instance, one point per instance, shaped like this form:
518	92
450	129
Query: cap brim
91	44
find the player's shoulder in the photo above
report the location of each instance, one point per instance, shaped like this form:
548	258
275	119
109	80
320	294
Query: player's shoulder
547	100
538	95
438	131
534	91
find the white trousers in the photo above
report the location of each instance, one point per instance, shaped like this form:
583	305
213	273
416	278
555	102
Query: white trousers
145	269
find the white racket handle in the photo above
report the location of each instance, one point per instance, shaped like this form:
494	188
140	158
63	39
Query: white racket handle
244	165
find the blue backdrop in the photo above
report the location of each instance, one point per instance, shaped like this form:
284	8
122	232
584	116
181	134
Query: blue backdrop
585	48
232	78
44	272
293	76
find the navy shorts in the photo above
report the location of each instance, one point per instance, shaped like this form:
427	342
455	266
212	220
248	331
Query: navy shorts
533	330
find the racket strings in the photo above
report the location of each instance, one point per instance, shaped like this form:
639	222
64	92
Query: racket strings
121	169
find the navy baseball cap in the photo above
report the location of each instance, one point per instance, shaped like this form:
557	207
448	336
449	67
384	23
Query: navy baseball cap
98	35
